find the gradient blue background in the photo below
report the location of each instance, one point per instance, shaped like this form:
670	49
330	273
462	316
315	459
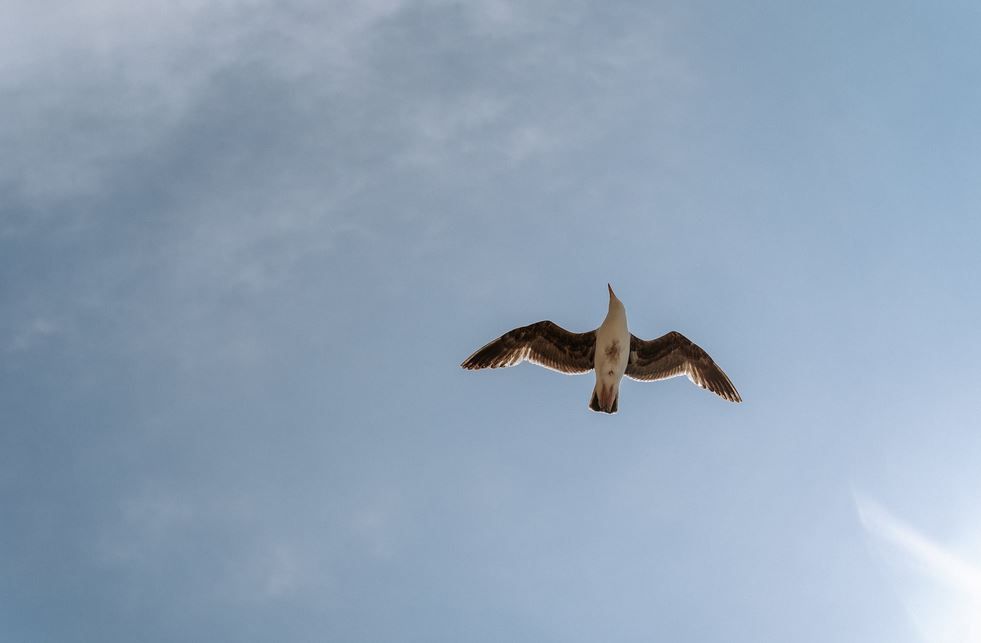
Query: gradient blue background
244	246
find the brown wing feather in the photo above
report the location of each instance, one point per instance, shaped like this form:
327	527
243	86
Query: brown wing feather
672	355
543	343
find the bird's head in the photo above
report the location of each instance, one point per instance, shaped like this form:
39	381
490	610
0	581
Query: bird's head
614	302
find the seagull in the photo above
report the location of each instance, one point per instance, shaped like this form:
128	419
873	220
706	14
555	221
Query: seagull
611	351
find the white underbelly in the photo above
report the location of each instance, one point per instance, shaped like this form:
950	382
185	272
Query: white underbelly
612	351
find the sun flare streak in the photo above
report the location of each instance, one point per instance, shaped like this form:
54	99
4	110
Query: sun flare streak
945	599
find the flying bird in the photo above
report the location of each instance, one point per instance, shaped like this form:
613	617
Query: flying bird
611	351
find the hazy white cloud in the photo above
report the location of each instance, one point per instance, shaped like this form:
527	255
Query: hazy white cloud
281	577
218	546
90	85
86	85
269	568
944	594
33	333
144	526
255	135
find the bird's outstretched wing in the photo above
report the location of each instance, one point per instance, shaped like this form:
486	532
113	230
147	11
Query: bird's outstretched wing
672	355
543	343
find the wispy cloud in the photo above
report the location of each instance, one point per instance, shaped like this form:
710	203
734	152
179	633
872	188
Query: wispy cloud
34	332
218	545
140	70
211	152
944	596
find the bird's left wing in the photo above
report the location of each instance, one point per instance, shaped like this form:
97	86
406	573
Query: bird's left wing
672	355
544	343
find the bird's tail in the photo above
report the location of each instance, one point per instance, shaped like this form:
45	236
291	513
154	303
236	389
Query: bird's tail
595	401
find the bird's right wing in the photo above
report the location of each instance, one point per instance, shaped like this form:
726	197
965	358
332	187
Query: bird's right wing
672	355
544	343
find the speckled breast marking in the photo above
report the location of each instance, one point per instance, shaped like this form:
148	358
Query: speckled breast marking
613	350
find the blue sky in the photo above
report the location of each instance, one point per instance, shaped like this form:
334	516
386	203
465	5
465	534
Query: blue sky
244	246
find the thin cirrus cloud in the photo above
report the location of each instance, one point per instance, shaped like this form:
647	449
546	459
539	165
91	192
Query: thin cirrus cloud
219	149
32	334
140	72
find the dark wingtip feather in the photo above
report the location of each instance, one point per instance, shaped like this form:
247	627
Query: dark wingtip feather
731	394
